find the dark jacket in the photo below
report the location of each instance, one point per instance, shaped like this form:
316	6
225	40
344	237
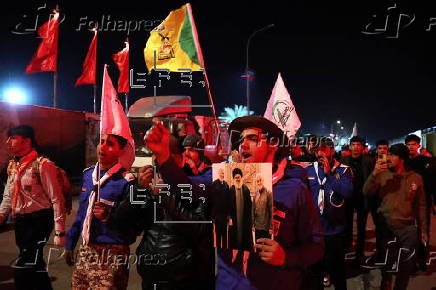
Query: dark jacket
177	254
114	190
338	188
247	240
220	200
362	168
299	234
426	167
402	198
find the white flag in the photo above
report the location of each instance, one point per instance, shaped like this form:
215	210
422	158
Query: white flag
281	110
354	130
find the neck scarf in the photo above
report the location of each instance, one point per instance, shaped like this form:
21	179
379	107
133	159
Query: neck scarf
24	162
92	197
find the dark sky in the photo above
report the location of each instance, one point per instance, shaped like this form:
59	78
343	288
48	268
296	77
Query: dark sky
333	71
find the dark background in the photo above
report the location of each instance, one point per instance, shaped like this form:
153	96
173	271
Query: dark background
332	70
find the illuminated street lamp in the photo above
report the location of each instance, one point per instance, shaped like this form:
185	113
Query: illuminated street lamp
15	96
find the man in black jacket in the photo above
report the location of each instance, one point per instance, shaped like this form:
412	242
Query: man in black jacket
362	166
174	253
426	167
241	239
220	209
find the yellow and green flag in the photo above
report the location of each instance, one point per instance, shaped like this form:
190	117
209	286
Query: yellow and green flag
175	42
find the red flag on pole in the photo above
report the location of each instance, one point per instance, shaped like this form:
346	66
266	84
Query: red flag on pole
45	58
121	58
114	120
90	64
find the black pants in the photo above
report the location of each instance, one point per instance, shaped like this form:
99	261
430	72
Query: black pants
333	263
221	232
400	244
362	208
31	234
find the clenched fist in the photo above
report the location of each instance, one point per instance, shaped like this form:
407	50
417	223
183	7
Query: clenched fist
157	139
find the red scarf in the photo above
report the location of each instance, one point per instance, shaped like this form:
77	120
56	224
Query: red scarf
24	162
279	172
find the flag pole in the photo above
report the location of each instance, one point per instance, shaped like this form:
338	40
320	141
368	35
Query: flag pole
209	94
94	86
99	141
55	89
95	83
55	75
126	95
200	56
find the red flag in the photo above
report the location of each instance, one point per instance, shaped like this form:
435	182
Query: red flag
90	65
114	120
45	58
122	60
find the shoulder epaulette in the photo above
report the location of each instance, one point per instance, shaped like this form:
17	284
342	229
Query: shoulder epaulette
128	176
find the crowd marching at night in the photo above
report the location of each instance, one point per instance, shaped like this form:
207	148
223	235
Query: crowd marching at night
316	192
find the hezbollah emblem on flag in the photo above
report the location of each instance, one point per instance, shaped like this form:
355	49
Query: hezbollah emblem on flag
166	50
175	43
282	112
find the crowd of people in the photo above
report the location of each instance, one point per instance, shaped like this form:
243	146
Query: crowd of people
303	230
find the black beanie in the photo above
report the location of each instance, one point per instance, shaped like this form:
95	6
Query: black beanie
400	150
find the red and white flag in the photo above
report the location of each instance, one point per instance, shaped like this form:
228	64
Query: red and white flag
45	57
114	120
90	65
281	110
121	58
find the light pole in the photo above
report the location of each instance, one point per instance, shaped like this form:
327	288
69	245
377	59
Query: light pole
246	64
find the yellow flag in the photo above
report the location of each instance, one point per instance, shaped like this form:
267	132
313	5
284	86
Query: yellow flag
174	43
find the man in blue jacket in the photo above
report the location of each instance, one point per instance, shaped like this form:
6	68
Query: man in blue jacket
278	263
331	185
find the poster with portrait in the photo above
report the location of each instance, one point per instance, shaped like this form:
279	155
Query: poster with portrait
241	205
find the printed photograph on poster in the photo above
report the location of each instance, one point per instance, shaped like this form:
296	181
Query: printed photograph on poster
241	204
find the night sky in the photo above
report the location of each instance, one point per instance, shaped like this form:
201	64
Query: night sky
385	83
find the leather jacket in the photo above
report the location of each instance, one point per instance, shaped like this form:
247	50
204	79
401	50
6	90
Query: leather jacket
176	255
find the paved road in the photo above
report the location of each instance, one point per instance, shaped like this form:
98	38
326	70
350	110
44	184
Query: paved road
60	273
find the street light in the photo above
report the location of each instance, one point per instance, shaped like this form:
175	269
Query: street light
246	64
338	121
15	96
